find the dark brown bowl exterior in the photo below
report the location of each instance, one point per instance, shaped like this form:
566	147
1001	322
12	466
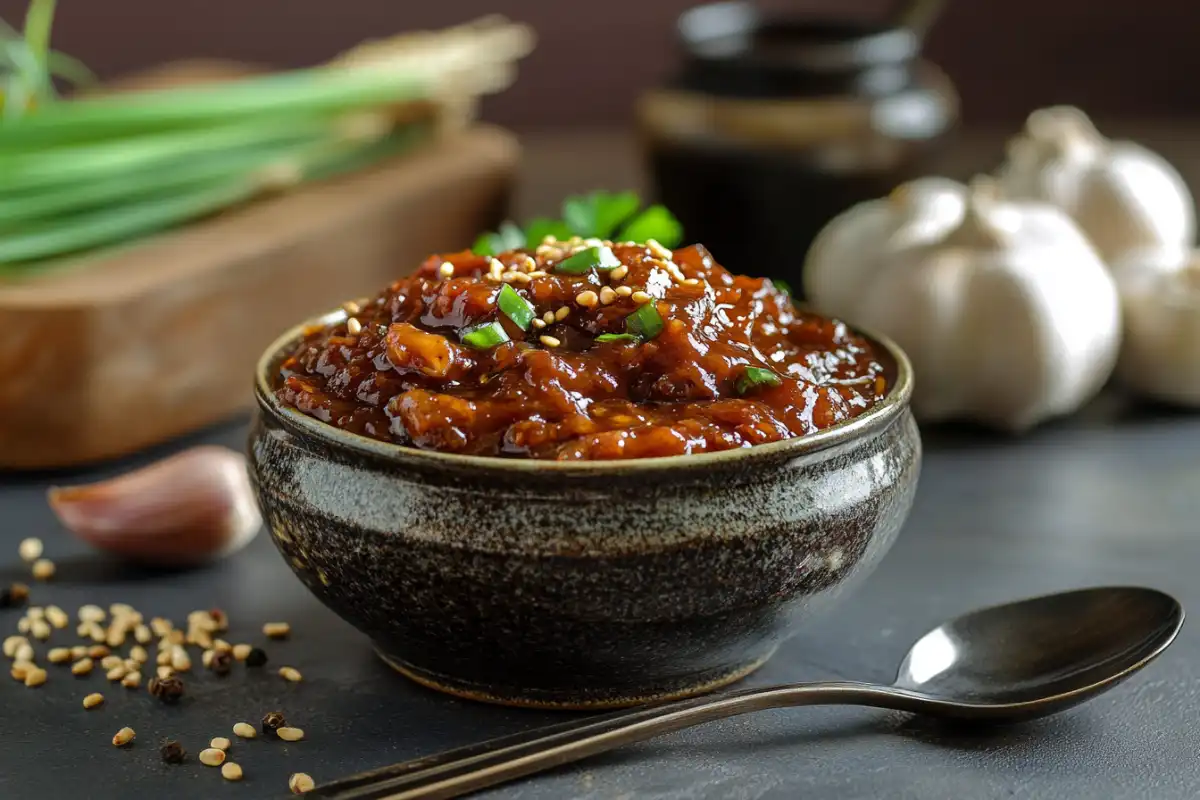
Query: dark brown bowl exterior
581	585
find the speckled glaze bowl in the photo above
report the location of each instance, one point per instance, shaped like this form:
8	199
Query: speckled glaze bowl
581	585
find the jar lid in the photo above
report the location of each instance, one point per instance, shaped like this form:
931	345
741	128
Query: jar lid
732	49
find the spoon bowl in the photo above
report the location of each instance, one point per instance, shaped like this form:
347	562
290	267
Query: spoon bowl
1039	656
1006	663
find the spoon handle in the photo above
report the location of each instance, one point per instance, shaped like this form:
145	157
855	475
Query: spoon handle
458	772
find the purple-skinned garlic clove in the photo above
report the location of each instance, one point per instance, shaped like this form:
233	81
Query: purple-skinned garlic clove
186	509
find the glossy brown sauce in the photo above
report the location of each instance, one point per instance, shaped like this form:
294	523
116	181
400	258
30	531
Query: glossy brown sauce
397	370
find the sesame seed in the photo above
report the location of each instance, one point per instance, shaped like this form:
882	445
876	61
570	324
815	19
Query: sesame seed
549	341
351	307
641	297
538	323
82	667
97	633
240	651
59	655
618	273
91	613
24	652
163	658
164	672
92	700
212	757
446	269
121	609
20	670
12	643
206	658
654	247
220	743
57	617
587	298
160	626
549	317
244	730
231	772
138	653
79	651
43	569
142	634
607	295
98	651
222	646
353	326
290	674
624	291
691	281
290	734
35	676
108	662
300	783
30	549
40	629
131	665
124	737
277	630
180	662
117	673
132	680
35	612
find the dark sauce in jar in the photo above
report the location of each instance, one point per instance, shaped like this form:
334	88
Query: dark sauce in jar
654	353
774	126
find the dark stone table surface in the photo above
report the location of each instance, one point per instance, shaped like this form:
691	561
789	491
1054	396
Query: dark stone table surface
1111	496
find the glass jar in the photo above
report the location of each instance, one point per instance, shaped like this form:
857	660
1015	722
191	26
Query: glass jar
775	125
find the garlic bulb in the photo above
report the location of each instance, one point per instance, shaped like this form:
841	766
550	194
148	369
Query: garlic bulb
186	509
1010	317
1160	354
1123	196
852	244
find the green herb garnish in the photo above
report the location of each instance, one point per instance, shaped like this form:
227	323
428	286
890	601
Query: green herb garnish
589	258
599	215
509	237
515	307
753	377
645	323
617	337
485	336
782	285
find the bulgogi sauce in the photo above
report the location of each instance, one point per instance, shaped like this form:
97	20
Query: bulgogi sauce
691	358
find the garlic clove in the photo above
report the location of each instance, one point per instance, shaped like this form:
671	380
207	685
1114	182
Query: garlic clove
1160	351
189	508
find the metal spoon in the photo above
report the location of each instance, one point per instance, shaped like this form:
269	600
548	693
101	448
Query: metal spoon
1006	663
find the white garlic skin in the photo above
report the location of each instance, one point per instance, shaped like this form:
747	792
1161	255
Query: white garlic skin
852	245
1123	196
186	509
1160	354
1010	318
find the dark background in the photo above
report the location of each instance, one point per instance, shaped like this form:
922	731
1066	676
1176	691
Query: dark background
1115	59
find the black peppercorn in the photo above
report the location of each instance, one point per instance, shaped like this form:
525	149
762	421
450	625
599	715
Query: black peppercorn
221	662
173	752
14	595
273	721
256	657
168	690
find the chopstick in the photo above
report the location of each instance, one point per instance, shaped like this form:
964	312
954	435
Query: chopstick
454	773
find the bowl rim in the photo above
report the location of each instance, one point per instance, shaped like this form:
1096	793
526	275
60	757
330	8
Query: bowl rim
877	419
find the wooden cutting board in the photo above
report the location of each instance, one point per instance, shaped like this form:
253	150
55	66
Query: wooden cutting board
132	348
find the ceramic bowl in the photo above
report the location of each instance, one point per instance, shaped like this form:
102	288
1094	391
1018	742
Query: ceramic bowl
581	585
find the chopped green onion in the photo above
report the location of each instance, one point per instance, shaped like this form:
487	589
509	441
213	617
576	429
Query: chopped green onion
781	285
515	307
617	337
657	223
589	258
645	323
485	336
754	377
509	237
